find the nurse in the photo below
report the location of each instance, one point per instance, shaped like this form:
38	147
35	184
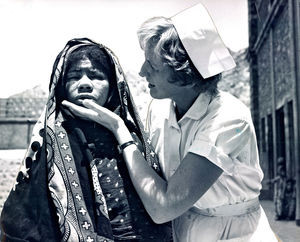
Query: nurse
204	138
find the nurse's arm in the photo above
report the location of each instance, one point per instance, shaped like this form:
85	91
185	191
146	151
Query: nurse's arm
165	201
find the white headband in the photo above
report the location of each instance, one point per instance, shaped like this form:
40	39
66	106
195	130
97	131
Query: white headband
202	42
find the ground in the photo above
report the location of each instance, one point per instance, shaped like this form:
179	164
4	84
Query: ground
10	161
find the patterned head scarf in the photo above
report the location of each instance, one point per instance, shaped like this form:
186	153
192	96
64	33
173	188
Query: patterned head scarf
47	188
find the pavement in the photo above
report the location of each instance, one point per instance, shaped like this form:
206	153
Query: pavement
10	161
287	231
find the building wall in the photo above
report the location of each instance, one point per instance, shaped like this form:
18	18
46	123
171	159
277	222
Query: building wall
264	78
276	83
274	79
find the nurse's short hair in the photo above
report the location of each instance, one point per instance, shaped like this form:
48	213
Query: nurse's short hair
161	32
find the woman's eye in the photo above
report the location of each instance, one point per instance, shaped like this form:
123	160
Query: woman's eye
96	75
93	76
73	78
151	66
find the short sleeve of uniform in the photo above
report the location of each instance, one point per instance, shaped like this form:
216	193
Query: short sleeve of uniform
222	143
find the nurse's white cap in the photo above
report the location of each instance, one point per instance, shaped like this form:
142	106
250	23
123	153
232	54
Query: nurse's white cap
202	42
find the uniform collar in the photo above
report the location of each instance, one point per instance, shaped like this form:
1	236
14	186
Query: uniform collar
195	112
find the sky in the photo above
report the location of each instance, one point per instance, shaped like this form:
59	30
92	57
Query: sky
33	32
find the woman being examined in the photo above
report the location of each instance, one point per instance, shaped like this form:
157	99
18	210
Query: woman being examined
74	184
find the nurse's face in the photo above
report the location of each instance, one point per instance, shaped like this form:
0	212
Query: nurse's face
84	80
159	75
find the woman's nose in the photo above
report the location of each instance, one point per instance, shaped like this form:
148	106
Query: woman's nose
85	85
143	72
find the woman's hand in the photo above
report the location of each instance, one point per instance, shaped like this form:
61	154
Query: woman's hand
97	113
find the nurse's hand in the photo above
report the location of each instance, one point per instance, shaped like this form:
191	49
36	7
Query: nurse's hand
96	113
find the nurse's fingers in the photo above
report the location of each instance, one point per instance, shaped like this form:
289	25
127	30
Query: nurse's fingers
80	111
105	115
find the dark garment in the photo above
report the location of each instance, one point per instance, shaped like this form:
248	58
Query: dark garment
30	207
76	187
128	217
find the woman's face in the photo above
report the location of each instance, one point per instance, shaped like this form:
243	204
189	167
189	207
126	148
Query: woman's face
159	75
84	80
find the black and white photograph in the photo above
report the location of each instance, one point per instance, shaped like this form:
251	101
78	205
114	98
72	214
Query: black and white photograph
150	120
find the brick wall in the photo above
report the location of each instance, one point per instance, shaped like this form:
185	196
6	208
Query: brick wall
282	52
264	78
